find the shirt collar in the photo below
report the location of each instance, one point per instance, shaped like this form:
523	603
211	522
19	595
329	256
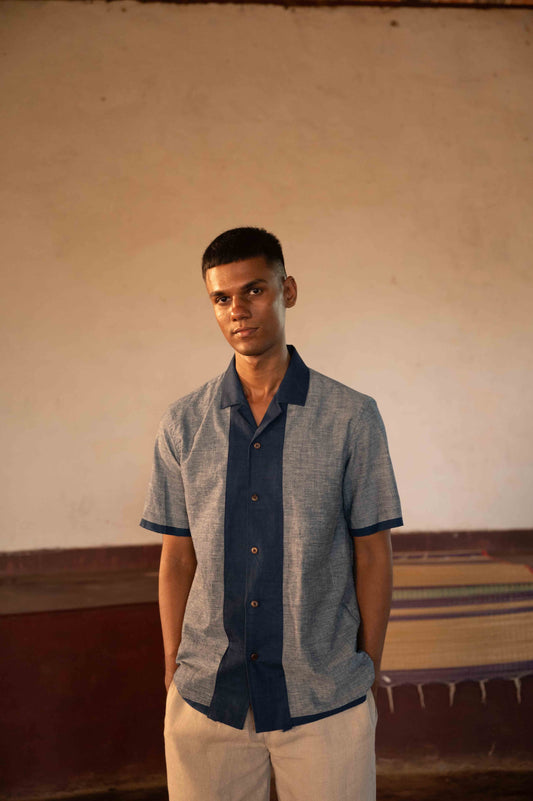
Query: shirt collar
293	388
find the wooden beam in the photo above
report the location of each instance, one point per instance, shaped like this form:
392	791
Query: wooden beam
473	4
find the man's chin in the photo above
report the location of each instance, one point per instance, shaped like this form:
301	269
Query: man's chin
251	348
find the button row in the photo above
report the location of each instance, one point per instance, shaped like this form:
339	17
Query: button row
254	656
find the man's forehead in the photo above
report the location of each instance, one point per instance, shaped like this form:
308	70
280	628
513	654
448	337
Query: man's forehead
238	274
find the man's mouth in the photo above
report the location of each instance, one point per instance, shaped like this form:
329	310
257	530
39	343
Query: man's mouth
243	332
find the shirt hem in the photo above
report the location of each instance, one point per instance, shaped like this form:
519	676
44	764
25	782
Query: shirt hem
311	718
159	529
296	721
382	526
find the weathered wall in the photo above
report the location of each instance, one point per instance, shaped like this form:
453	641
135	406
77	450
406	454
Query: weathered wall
390	150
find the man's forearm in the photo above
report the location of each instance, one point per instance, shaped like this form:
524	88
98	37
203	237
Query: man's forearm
373	581
176	574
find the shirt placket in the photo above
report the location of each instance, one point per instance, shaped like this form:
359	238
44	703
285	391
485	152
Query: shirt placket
255	602
263	599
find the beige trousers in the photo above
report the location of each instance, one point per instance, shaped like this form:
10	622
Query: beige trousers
332	759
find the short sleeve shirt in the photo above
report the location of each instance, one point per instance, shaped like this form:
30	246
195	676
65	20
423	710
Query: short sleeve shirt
272	618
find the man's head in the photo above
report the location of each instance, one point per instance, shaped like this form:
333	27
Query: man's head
240	244
245	277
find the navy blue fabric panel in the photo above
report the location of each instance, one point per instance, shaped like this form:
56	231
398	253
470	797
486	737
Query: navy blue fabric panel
264	581
253	574
232	393
159	529
311	718
382	526
199	707
230	700
293	388
295	384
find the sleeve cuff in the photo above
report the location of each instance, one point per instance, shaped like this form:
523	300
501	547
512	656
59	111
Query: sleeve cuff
382	526
177	532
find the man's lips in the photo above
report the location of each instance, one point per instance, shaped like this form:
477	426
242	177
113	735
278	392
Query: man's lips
243	332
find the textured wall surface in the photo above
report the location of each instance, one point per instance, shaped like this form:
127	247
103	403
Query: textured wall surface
390	150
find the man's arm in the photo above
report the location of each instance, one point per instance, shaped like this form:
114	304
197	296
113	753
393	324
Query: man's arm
373	584
176	573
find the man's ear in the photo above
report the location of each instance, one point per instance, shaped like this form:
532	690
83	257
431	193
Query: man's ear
290	292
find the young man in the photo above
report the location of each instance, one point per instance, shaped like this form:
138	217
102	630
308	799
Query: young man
273	489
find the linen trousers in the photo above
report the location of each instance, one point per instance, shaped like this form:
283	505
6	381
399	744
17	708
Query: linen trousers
331	759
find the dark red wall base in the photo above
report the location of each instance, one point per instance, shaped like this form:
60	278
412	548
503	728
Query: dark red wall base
82	700
82	706
82	696
469	730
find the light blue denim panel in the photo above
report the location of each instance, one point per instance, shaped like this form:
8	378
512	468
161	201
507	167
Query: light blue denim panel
190	482
328	446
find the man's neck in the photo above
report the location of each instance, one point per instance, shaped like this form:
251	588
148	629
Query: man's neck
261	375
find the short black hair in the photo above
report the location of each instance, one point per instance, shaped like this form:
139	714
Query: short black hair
239	244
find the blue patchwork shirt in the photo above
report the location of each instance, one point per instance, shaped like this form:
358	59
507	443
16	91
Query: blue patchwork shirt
272	618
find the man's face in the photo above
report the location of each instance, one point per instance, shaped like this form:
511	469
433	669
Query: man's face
249	299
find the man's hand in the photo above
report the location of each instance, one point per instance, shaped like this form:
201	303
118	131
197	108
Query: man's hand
373	586
168	679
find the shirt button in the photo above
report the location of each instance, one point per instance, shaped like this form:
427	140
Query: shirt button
254	656
254	549
255	604
255	497
257	445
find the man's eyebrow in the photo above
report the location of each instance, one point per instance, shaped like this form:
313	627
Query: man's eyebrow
244	288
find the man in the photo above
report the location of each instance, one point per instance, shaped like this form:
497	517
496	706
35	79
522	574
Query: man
273	489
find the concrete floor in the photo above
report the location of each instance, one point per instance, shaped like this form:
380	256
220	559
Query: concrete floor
497	785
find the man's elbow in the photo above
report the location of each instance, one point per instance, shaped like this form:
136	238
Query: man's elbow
374	550
177	557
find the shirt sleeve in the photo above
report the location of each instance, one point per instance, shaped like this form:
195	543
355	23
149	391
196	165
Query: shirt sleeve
165	509
370	493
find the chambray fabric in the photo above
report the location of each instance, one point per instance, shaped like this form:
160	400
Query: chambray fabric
315	473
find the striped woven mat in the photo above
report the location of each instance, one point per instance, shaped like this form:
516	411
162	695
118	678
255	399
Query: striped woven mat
458	616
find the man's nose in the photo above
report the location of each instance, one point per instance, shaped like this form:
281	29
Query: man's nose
238	308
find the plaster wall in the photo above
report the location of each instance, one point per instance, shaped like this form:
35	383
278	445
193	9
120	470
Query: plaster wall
389	149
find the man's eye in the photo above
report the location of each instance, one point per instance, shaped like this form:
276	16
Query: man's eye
255	290
221	299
